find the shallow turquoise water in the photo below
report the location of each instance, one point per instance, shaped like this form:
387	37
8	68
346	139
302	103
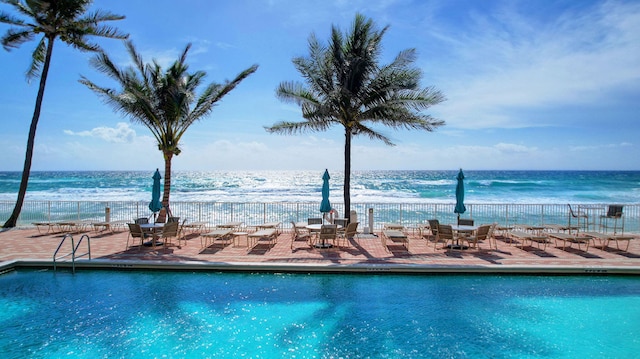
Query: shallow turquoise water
229	315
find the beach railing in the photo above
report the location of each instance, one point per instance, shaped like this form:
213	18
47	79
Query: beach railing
252	213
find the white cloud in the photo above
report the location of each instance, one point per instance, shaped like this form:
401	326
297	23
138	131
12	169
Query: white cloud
122	133
512	62
600	147
513	148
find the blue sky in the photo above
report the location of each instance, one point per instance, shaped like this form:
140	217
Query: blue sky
529	85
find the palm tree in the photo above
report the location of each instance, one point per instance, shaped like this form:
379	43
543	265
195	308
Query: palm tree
164	101
345	86
66	20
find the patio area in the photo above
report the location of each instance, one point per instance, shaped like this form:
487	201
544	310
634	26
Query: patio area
367	254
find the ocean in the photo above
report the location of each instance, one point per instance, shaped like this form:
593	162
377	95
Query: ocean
481	187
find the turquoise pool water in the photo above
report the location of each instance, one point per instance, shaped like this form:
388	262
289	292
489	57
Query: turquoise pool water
96	314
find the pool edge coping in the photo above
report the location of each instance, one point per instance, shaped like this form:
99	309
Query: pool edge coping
365	268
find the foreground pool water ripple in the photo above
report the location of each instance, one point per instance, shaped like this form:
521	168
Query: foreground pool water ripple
259	315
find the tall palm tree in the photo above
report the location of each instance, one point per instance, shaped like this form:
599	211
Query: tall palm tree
346	86
165	101
66	20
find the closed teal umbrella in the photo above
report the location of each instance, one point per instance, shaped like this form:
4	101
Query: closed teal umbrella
155	205
325	205
460	208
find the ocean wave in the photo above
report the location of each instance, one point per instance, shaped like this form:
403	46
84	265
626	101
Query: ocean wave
305	186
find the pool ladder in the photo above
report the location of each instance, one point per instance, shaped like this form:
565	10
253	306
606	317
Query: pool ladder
74	250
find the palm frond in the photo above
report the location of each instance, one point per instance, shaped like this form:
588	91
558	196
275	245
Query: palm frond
37	59
11	20
163	100
14	38
289	128
345	85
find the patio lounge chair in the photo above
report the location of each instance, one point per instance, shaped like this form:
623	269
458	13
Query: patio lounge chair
108	226
50	226
74	226
195	227
269	225
270	234
522	236
394	236
605	239
221	234
564	237
230	225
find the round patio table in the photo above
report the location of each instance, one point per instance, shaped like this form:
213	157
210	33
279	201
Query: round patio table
152	228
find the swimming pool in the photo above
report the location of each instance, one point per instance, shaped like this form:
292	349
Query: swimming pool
263	315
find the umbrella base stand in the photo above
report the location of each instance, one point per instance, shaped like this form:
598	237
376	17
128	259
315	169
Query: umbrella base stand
152	244
323	245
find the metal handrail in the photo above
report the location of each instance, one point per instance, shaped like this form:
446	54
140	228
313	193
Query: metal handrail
74	249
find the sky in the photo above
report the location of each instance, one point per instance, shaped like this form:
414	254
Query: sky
529	85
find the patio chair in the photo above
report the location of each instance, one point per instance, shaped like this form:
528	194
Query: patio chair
433	228
173	219
491	235
328	232
182	237
299	234
342	224
351	231
135	232
445	234
314	233
465	222
141	220
433	225
169	231
614	213
481	234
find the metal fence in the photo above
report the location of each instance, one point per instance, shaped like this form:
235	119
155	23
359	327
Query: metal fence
408	214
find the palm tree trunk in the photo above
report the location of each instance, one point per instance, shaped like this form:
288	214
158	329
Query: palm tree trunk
168	156
347	173
26	171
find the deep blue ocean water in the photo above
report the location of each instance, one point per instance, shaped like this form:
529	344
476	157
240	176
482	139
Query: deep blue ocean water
366	186
100	314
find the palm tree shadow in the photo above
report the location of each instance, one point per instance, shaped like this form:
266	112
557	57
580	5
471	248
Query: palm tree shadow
538	252
214	248
260	248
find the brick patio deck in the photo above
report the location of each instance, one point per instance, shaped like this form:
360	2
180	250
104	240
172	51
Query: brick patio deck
29	247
